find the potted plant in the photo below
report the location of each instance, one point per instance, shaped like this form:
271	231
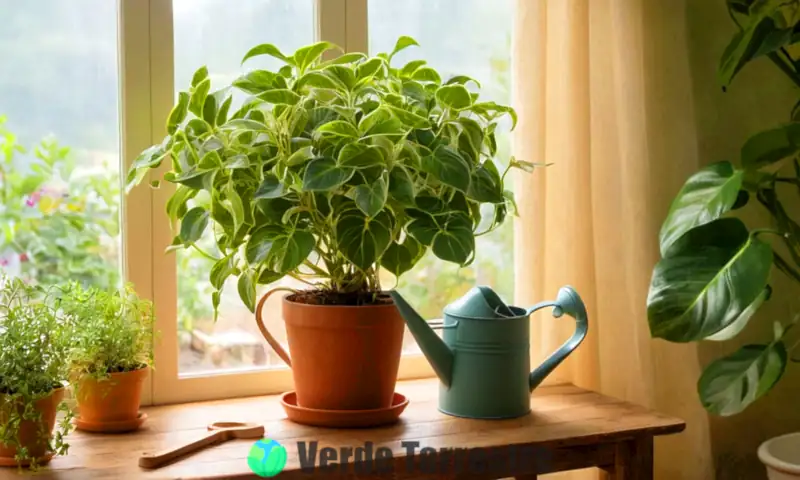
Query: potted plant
328	172
110	355
34	340
715	271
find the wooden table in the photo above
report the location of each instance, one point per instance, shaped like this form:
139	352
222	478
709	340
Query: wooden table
569	428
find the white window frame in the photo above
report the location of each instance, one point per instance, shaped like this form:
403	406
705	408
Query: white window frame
146	54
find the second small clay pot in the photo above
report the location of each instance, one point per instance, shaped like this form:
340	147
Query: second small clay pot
111	404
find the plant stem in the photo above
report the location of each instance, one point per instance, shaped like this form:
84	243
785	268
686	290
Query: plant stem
784	266
296	277
759	231
789	71
204	253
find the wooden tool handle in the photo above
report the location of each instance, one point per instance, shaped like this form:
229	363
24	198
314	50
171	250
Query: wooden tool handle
155	460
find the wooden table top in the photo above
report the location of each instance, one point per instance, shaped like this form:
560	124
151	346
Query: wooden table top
563	416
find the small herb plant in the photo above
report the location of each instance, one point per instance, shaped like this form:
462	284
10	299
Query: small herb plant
112	331
331	170
34	343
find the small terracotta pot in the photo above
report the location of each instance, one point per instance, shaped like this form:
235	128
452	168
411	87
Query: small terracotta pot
342	357
30	435
112	400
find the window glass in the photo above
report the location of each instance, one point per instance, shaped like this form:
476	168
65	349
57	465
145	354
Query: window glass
59	142
456	37
211	33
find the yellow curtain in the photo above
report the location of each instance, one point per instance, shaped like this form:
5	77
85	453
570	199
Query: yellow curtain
604	93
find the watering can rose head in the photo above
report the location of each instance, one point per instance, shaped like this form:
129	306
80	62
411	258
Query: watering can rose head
332	169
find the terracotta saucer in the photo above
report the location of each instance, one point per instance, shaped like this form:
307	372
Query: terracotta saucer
111	427
11	462
343	418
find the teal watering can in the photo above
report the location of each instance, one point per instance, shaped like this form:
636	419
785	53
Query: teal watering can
483	357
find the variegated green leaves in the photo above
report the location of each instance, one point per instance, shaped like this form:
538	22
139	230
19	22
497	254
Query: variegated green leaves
332	168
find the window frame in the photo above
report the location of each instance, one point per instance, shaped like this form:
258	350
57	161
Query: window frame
146	64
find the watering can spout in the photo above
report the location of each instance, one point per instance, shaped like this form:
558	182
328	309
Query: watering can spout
433	347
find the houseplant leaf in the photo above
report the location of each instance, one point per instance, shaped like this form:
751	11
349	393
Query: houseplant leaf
324	174
401	257
193	225
731	383
709	279
362	239
770	146
706	196
371	198
449	167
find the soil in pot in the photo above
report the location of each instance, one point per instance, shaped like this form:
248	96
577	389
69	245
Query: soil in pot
343	357
111	401
30	433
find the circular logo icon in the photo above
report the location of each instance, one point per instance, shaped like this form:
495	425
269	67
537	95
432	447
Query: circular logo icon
266	458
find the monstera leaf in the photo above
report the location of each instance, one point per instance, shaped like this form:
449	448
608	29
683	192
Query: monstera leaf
708	281
706	196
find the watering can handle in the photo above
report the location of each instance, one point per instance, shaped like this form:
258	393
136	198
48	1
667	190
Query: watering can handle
568	301
268	336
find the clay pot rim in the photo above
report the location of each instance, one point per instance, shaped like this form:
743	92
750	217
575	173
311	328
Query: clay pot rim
63	388
138	371
288	300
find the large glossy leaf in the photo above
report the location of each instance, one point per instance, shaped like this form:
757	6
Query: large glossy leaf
735	327
362	240
449	167
323	174
706	196
193	225
371	197
401	257
770	146
729	384
709	279
744	46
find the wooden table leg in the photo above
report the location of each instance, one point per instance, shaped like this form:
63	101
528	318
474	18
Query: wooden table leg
634	459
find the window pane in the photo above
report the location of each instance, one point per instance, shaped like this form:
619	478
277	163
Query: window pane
456	37
59	142
211	33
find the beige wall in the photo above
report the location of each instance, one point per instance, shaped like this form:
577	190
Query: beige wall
760	97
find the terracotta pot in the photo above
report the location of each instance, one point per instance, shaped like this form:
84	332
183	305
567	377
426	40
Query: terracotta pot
111	400
781	455
30	432
342	357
